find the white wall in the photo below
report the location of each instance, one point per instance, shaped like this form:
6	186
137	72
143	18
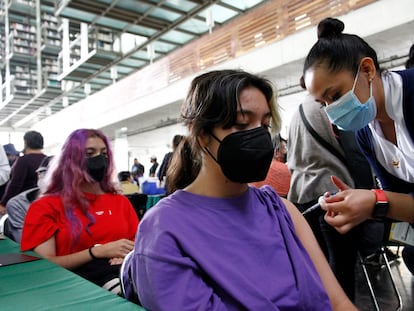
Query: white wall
157	142
15	138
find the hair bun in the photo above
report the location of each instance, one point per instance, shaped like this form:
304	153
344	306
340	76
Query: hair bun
330	27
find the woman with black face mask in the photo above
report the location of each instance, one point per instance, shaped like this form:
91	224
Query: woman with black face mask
215	243
81	222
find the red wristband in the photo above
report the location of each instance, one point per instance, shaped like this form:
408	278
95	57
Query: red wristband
380	194
381	205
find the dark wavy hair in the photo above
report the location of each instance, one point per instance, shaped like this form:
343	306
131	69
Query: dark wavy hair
212	100
337	50
69	172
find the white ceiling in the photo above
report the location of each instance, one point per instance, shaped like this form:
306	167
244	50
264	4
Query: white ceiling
281	62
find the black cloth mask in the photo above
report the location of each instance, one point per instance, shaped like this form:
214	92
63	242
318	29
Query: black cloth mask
97	167
245	156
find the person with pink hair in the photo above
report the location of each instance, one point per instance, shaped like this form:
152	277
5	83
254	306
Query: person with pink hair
81	222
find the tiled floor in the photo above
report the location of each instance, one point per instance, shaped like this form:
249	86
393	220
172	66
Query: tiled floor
387	299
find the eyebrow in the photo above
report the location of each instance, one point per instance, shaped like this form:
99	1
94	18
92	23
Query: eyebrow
93	149
249	112
325	93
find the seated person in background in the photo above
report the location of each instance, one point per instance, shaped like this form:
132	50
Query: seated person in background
4	173
215	243
18	205
23	173
281	150
125	181
278	176
81	222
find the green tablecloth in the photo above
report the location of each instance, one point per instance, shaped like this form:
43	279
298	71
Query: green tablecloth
153	199
43	285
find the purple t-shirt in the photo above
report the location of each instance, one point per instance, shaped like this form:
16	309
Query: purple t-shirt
199	253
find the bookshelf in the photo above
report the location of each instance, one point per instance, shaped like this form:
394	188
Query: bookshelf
22	60
85	48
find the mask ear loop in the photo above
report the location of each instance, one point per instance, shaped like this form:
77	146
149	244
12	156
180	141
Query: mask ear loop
355	79
208	150
370	88
211	155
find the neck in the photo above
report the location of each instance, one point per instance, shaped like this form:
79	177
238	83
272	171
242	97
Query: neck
94	188
211	182
29	150
379	95
384	120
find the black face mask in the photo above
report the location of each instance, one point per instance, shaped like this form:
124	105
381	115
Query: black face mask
245	156
97	167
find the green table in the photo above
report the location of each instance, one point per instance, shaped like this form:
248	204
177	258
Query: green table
43	285
153	199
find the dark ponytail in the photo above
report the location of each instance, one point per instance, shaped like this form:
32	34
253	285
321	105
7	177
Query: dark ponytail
184	166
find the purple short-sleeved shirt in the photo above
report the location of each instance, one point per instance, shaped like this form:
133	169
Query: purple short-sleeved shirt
199	253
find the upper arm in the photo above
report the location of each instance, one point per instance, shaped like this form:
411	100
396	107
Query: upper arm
303	231
47	249
40	224
336	295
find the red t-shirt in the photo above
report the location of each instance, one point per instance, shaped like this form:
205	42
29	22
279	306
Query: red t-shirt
115	218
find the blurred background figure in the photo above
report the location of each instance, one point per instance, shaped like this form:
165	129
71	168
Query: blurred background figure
11	152
154	166
125	181
281	150
18	205
137	171
278	176
4	174
167	157
23	174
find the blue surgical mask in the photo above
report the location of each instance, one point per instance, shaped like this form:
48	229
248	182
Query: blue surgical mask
348	113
